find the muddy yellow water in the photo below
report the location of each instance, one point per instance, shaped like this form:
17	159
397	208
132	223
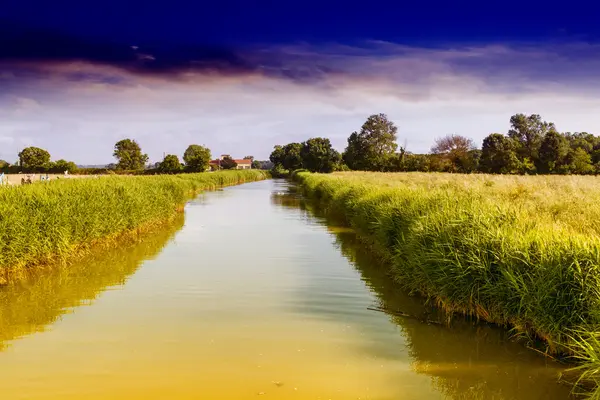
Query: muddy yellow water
252	296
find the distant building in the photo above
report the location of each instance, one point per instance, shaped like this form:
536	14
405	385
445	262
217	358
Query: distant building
241	164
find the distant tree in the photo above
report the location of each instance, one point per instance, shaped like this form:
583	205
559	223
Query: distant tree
129	155
292	159
113	166
277	156
4	164
553	150
498	155
579	161
454	153
34	159
318	155
60	166
197	158
170	165
228	163
256	165
372	148
251	158
528	131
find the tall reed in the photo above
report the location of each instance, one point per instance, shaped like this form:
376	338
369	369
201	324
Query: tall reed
45	222
522	252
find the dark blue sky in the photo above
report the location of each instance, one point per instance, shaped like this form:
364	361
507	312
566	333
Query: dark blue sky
236	22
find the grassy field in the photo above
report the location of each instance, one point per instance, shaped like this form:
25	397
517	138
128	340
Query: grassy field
48	222
519	251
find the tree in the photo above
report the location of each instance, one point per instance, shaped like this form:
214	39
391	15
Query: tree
228	163
34	159
256	165
277	156
197	158
498	155
454	153
553	150
528	132
129	155
292	159
170	165
251	158
61	166
372	148
4	164
580	162
318	155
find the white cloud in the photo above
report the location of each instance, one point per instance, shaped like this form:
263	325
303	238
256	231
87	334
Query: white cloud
427	92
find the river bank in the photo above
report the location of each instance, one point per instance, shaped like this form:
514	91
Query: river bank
520	252
42	225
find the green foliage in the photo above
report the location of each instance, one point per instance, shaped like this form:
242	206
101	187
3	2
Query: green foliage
129	155
498	155
318	155
292	159
277	156
454	153
256	164
60	166
197	158
44	222
228	163
553	150
580	162
34	159
375	145
528	132
4	164
170	165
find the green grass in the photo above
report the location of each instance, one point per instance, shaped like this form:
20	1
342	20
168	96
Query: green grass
523	252
46	222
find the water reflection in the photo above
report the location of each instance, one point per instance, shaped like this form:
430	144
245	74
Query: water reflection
464	360
30	306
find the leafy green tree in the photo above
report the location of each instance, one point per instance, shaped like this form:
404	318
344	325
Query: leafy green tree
60	166
454	153
4	164
529	131
319	156
129	155
34	159
228	163
197	158
579	161
251	158
372	148
553	150
277	156
170	165
498	155
256	164
292	159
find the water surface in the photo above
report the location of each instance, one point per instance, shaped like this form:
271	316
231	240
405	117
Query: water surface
253	296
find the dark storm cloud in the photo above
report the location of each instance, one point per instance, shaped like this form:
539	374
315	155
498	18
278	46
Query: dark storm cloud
25	45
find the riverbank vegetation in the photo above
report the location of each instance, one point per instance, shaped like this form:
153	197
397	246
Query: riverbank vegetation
530	146
42	224
518	251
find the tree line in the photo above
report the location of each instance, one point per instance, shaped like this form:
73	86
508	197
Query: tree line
531	146
130	158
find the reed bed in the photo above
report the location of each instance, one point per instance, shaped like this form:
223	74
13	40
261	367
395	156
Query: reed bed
48	222
518	251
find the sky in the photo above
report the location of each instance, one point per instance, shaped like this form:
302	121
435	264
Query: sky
241	77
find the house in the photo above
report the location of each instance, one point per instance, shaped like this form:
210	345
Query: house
241	164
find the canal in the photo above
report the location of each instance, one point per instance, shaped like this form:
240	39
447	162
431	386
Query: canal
249	294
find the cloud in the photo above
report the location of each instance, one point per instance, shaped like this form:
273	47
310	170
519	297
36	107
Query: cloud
77	102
